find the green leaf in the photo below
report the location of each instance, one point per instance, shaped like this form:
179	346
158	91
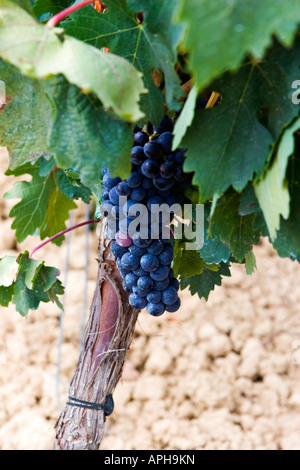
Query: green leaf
230	136
72	187
148	46
185	118
272	191
46	51
186	262
203	284
87	138
250	262
8	270
227	224
50	6
58	211
31	283
287	242
27	108
220	33
42	206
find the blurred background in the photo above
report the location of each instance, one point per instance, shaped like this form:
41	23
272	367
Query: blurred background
222	374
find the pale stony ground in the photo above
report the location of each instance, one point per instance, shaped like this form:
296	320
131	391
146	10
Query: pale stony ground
217	375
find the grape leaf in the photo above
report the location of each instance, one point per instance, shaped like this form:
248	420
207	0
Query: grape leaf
232	129
43	206
203	284
44	52
186	262
250	262
272	191
32	283
220	33
27	108
287	242
50	6
227	224
148	45
84	136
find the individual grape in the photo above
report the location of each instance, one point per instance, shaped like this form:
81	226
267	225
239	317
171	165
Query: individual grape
152	150
137	155
150	168
149	262
161	285
147	183
166	256
165	141
169	295
140	272
137	302
160	273
109	182
122	189
140	292
131	279
105	194
113	196
166	125
141	138
123	239
145	283
127	287
130	261
140	241
134	180
167	170
156	309
117	250
136	251
154	201
123	269
154	296
174	307
156	247
138	194
179	156
163	183
174	283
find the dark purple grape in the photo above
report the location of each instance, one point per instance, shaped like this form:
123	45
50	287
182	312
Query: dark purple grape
160	274
174	283
161	285
140	272
165	141
122	189
166	125
117	250
140	292
155	309
138	194
135	250
145	283
140	241
166	256
152	150
129	261
174	307
131	279
154	296
137	302
179	156
167	170
113	196
150	168
149	262
169	296
141	138
156	247
147	183
163	183
137	155
134	180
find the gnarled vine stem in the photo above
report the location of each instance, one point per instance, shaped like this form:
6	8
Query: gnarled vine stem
107	338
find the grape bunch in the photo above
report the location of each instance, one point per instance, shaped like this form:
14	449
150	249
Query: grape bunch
143	259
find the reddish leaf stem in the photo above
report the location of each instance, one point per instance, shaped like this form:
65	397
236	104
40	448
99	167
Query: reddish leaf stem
91	221
62	14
